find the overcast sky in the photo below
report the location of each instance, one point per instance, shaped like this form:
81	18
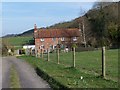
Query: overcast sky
21	16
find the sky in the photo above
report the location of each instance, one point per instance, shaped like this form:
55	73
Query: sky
18	17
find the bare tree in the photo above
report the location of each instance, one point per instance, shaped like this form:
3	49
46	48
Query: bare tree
82	12
103	3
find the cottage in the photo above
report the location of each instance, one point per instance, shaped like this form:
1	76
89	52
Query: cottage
49	39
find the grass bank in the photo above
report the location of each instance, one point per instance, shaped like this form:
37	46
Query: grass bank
14	78
69	77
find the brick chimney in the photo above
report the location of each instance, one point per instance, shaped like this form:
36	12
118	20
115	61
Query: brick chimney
35	28
35	31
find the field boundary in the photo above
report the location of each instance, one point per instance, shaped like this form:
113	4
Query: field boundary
53	83
87	72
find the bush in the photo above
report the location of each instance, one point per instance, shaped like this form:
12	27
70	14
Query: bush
4	50
22	51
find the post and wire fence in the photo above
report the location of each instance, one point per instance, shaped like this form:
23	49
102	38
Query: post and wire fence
92	62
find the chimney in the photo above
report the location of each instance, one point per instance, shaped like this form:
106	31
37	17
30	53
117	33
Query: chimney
35	28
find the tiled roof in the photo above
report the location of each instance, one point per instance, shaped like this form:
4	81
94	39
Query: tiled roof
51	33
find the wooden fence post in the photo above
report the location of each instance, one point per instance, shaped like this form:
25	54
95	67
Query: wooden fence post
42	53
58	55
73	56
103	62
38	55
47	55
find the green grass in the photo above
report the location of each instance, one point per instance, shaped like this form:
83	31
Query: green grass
90	62
87	65
17	41
14	78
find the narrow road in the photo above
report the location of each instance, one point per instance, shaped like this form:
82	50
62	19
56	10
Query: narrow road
27	75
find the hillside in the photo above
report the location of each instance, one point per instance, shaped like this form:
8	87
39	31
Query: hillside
111	9
27	33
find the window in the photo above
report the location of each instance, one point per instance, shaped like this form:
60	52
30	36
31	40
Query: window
74	38
53	39
42	39
51	46
42	47
62	39
54	46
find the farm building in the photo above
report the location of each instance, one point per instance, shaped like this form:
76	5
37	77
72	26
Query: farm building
29	49
49	39
29	46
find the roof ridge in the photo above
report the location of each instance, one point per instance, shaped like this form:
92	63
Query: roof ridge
58	33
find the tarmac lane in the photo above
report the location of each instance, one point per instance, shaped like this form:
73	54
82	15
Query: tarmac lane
27	75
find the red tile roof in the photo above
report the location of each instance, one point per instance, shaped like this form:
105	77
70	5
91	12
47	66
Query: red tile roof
51	33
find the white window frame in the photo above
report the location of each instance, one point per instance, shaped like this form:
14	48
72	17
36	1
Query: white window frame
54	39
74	38
54	46
51	46
41	47
42	40
62	39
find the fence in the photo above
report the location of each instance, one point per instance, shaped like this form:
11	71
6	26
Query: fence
92	62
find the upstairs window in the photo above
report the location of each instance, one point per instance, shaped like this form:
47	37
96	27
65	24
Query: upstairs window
62	39
51	46
74	38
42	39
53	39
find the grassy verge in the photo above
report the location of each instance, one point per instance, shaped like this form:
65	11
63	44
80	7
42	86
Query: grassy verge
67	76
14	79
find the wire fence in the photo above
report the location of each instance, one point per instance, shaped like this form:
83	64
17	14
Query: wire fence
88	61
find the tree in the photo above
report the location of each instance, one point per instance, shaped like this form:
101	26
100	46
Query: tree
98	26
4	49
97	5
5	46
113	33
83	33
104	20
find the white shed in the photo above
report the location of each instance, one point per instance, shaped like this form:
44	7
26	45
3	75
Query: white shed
29	46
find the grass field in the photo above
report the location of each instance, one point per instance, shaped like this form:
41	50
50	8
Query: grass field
17	41
90	62
87	72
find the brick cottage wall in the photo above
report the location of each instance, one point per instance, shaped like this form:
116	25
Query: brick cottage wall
47	43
